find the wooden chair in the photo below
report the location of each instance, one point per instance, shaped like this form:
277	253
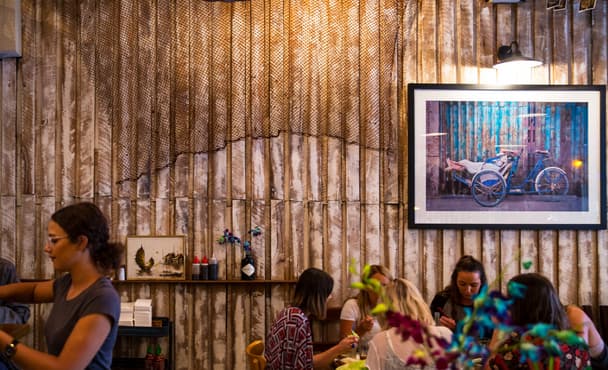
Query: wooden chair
255	355
603	322
326	333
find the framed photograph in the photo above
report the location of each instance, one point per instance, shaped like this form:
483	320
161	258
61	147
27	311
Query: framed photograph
516	157
561	5
155	258
585	5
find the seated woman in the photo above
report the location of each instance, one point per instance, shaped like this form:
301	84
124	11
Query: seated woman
388	350
289	342
355	316
585	328
467	279
540	304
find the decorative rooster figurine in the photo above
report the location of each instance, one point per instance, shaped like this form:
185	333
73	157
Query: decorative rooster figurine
140	260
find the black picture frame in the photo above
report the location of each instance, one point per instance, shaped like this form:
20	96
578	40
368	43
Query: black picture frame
546	142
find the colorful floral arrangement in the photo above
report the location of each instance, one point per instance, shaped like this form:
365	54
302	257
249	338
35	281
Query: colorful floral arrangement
490	313
229	238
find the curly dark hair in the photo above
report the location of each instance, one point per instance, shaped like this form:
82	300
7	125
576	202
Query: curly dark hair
86	219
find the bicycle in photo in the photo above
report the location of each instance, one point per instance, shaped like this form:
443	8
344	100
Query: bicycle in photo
491	180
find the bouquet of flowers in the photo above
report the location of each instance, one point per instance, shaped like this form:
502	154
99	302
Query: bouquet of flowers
229	238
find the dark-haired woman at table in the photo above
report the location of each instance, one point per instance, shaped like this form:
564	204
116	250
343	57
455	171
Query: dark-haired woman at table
540	304
81	328
466	280
289	342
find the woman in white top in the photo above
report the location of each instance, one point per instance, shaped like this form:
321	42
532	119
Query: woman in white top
387	350
355	315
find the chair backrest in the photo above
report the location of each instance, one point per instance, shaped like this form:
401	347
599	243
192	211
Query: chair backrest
326	332
255	355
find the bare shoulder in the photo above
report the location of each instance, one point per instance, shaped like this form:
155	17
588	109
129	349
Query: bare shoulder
576	314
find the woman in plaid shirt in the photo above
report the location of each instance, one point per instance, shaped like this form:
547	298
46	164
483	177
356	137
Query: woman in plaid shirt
289	342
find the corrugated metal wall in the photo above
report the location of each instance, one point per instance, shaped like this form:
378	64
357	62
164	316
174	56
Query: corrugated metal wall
187	117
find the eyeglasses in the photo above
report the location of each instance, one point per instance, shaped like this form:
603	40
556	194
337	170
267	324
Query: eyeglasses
52	240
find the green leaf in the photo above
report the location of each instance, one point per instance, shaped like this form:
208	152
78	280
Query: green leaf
380	308
366	271
354	365
527	265
352	266
358	285
374	285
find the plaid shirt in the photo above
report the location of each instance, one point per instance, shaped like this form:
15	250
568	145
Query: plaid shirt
289	342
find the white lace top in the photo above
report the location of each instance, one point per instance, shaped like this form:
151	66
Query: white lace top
388	352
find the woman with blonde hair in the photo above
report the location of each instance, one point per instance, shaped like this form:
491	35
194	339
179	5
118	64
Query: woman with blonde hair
355	315
387	350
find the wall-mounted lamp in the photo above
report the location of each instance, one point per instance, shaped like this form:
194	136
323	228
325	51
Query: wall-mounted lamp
509	56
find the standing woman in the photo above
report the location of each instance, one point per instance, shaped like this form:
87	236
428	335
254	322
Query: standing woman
289	342
467	279
81	328
355	315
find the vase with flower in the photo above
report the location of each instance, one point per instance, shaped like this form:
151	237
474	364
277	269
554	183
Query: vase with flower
247	263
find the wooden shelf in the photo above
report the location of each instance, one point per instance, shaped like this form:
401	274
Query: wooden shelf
200	282
148	331
207	282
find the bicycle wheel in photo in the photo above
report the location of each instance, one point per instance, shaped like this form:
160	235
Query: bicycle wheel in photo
488	188
552	181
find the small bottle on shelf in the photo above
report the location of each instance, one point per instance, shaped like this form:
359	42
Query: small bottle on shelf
121	273
213	268
149	360
159	359
248	267
196	269
205	269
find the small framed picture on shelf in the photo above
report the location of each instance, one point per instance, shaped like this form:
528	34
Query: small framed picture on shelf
585	5
155	257
561	5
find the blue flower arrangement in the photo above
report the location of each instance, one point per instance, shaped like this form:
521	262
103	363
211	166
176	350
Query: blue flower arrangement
229	238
